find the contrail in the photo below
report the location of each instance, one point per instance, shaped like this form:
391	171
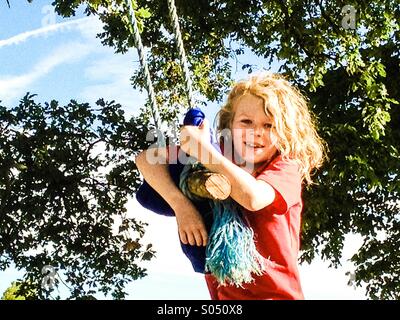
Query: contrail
44	30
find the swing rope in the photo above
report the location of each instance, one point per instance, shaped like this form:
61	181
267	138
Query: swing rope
149	84
181	51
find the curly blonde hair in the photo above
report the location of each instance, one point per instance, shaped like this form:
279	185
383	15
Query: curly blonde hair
293	123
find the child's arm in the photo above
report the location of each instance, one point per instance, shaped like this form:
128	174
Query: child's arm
191	227
246	190
249	192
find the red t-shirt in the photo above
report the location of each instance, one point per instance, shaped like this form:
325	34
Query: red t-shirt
277	236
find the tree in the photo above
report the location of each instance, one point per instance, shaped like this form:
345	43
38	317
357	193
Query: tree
344	56
13	292
59	197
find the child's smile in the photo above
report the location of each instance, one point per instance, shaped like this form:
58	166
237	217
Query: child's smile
254	140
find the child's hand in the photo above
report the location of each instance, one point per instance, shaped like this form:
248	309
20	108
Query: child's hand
195	141
191	227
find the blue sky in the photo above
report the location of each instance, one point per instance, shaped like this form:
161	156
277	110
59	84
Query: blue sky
62	59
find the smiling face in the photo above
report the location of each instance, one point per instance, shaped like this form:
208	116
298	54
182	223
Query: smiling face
254	140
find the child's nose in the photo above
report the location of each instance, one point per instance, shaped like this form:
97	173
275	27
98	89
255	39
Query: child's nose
258	131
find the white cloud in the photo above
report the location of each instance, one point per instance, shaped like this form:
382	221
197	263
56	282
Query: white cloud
104	69
107	77
110	76
90	28
82	24
12	87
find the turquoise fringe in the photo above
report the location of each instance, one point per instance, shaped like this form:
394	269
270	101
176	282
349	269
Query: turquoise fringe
231	254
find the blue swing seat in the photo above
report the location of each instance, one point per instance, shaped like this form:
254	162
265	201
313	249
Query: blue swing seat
153	201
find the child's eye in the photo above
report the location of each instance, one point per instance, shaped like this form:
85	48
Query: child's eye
268	125
246	121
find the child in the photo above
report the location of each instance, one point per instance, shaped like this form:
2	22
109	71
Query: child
273	146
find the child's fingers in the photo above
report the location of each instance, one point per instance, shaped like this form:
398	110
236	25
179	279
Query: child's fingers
204	236
191	239
198	236
183	237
